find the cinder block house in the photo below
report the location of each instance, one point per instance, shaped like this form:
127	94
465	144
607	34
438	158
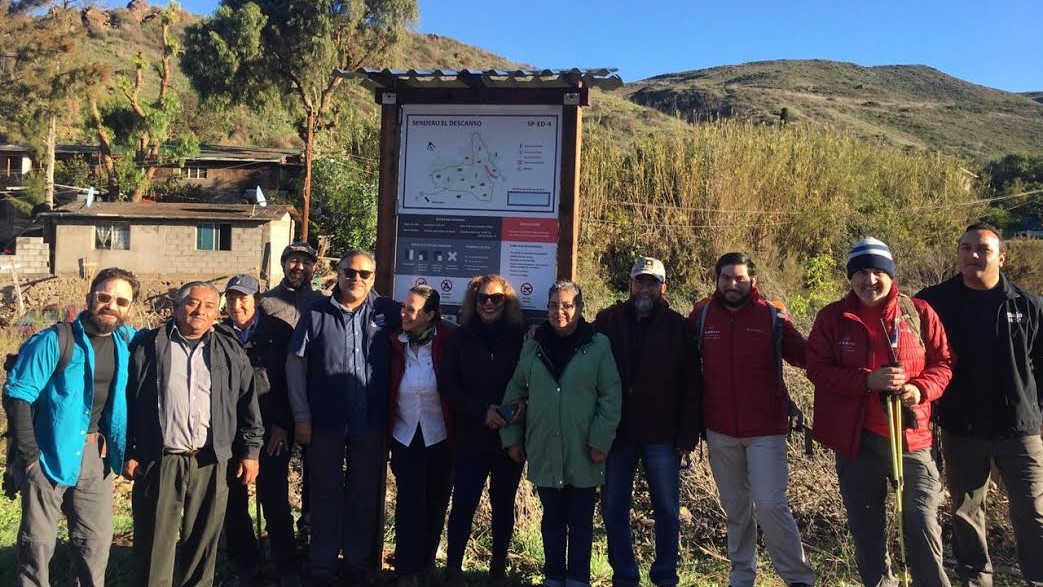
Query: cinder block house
170	239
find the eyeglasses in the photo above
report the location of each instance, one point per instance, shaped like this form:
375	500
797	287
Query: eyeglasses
496	298
554	307
349	272
106	299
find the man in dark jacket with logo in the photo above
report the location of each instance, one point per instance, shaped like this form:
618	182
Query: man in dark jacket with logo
193	412
990	413
338	372
743	341
653	349
265	340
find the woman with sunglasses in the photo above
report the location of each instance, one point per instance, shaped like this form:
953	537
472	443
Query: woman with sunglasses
568	376
418	423
475	368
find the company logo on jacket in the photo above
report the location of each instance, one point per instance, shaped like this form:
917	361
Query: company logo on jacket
1015	317
846	345
712	333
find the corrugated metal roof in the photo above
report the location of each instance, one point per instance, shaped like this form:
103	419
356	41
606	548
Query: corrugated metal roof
604	78
171	211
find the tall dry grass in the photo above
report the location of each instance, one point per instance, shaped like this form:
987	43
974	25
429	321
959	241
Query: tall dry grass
785	194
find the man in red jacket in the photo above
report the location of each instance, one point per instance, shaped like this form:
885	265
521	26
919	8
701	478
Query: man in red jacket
852	352
743	339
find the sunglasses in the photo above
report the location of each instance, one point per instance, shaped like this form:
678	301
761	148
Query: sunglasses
349	272
496	298
106	299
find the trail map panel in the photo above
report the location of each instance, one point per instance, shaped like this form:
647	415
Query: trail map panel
480	160
478	193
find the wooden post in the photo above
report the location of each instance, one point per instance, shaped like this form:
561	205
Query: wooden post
568	210
17	291
387	197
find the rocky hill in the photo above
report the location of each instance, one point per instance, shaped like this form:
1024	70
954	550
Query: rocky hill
911	105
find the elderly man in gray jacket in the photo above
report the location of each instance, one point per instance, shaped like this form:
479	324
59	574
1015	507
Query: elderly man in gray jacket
193	412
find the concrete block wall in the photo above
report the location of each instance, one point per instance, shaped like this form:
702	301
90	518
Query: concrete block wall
32	257
164	249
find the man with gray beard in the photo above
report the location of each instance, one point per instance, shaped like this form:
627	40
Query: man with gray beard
654	353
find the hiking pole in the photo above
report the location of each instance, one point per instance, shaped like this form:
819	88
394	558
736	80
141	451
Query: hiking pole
895	433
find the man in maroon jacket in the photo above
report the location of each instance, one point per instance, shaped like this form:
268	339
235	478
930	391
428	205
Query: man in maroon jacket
876	341
743	339
652	345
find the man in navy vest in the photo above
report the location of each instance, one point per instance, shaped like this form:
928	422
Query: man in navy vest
338	371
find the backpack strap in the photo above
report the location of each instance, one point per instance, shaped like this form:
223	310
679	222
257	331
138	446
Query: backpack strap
700	325
910	315
65	344
778	316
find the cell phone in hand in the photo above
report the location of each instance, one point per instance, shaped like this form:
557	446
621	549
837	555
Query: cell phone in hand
507	411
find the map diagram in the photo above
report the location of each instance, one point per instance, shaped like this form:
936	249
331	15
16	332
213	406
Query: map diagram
479	160
474	175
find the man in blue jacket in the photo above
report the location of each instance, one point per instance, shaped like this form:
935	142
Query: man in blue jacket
76	375
338	374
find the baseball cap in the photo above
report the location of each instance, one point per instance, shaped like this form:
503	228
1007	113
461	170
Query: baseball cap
299	248
649	266
244	284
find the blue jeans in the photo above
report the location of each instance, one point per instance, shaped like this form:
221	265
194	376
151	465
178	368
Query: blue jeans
662	467
568	534
469	474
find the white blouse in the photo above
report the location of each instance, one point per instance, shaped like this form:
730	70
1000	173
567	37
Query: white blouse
418	401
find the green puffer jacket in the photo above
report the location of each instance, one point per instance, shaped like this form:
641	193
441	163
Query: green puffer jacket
567	416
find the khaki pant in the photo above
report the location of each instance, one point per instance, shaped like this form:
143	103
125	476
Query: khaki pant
751	475
88	505
968	463
864	485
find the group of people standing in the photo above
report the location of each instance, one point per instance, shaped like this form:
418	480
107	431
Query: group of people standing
196	410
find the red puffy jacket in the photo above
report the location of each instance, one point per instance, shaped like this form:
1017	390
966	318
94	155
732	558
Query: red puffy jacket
743	392
840	356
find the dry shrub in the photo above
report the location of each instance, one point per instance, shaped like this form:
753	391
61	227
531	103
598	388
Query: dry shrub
783	194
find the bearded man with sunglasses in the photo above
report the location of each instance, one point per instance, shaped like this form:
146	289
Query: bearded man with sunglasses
76	375
338	373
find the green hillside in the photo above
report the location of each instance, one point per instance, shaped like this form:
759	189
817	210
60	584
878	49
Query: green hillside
118	36
909	105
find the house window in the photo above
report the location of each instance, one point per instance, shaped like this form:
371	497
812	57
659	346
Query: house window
214	237
112	237
193	172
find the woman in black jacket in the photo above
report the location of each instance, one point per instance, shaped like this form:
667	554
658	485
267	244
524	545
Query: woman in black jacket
475	369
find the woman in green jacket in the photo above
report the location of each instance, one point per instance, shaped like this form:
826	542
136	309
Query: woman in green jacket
569	379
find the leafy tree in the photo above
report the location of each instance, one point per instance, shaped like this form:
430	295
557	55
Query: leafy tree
42	72
345	204
254	51
1014	174
144	127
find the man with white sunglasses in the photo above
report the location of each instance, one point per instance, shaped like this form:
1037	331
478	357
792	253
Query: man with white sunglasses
75	374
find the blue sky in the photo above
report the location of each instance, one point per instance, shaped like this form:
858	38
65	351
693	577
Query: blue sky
994	43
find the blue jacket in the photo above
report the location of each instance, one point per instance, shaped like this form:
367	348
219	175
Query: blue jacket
320	338
63	404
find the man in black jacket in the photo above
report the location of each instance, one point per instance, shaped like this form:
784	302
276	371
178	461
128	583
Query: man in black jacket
990	413
192	409
655	354
265	340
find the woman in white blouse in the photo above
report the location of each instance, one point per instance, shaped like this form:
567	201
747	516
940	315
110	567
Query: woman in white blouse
419	430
